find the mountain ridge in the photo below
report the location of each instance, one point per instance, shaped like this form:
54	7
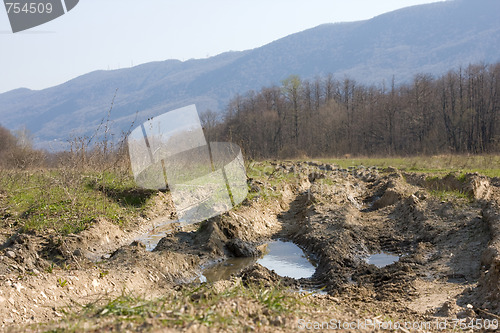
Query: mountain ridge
432	38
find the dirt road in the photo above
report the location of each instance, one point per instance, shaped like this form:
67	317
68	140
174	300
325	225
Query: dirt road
445	231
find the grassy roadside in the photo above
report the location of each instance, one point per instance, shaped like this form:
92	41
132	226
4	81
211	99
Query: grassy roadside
229	306
224	307
67	201
488	165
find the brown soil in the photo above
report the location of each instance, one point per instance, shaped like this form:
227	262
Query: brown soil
449	265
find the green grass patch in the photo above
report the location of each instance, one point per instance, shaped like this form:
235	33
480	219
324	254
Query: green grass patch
326	181
68	201
444	195
272	178
488	165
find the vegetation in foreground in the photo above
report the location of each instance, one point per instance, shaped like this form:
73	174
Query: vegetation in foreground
230	305
227	306
68	201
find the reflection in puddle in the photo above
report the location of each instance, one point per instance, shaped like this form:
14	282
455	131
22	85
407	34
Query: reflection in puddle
382	259
223	270
285	258
153	237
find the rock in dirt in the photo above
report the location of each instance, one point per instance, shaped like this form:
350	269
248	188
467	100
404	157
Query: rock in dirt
10	254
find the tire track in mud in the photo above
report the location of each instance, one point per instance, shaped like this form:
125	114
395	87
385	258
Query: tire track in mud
441	243
340	235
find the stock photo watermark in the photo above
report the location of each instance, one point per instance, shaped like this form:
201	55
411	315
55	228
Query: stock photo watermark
26	14
376	324
170	152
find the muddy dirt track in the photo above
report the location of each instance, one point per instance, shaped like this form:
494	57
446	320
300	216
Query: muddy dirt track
448	248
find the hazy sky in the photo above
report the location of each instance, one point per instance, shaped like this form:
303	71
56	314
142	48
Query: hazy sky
112	34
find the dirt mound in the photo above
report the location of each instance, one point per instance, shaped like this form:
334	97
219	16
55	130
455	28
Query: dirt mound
32	253
488	290
208	240
389	190
242	249
475	185
257	274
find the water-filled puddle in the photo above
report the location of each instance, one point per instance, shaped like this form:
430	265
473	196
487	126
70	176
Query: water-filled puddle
223	270
285	258
153	237
382	259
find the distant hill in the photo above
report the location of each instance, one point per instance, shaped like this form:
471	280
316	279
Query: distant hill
429	38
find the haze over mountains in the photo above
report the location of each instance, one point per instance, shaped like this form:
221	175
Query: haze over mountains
431	38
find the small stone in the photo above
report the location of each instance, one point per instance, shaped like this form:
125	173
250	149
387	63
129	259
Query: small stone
18	287
421	195
469	306
10	254
412	200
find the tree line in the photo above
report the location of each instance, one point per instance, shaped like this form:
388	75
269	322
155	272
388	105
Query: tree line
458	112
84	153
16	149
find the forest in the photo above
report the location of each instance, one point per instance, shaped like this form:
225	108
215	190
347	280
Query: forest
458	113
455	113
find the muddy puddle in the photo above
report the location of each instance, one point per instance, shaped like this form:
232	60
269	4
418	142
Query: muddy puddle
285	258
153	236
382	259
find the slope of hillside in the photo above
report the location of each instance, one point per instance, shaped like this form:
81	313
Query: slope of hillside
428	38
